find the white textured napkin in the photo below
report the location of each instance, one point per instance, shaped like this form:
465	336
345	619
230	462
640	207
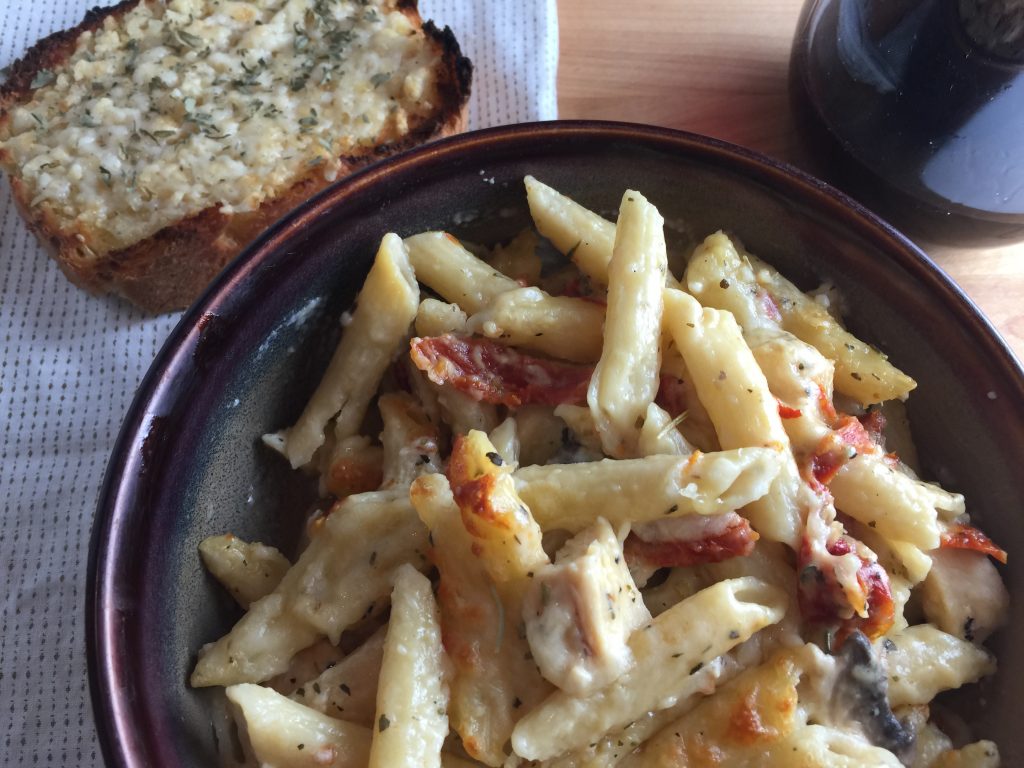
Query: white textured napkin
70	363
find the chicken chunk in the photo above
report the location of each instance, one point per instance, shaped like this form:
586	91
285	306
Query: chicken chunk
963	594
580	611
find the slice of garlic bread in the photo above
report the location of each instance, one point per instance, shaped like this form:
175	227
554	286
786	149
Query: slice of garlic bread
147	146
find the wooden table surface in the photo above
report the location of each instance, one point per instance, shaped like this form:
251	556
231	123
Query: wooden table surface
719	67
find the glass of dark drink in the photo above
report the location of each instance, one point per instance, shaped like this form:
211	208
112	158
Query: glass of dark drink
916	108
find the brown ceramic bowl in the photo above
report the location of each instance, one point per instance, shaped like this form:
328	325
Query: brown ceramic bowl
189	463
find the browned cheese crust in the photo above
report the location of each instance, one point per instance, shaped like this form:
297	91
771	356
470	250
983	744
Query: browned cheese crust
169	269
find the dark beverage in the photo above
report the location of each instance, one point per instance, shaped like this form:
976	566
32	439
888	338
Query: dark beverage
903	107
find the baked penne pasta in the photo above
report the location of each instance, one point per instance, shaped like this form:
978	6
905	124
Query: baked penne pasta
625	380
494	681
384	311
667	654
577	232
412	697
247	571
719	276
281	732
347	689
897	506
442	264
735	393
572	496
505	536
922	660
330	587
411	444
663	527
434	318
565	327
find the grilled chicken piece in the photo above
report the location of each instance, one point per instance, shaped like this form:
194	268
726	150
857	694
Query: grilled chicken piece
963	594
580	611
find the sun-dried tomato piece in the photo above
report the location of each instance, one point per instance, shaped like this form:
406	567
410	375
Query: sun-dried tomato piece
823	600
874	424
963	536
788	412
825	405
848	439
735	540
497	374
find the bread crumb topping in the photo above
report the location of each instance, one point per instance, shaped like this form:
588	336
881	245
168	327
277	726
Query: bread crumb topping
171	109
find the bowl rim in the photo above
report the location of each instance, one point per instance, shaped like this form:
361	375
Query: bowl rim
122	743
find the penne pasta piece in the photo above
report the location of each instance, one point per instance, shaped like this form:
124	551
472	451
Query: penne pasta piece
412	697
411	442
247	571
900	559
573	496
333	583
899	507
505	536
862	372
565	327
446	267
614	748
719	276
725	374
667	654
283	733
384	311
351	465
436	318
347	690
306	665
743	410
625	380
800	379
922	660
494	681
519	258
577	232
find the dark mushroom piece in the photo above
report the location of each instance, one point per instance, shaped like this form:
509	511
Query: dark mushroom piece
862	696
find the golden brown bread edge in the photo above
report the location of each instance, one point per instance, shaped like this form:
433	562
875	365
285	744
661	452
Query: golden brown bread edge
169	269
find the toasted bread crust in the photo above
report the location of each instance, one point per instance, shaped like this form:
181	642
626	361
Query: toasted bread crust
169	269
